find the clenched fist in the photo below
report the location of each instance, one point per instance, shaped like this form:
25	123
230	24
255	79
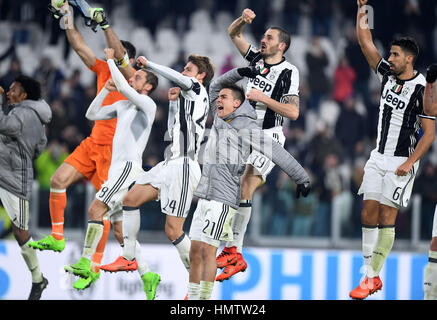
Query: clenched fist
248	16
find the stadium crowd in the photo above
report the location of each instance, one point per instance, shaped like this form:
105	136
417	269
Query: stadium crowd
339	95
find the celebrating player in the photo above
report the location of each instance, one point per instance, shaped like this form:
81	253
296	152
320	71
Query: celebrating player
92	158
135	118
392	167
274	94
219	188
174	180
430	107
22	140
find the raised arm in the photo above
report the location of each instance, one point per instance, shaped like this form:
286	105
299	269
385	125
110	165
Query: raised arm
430	98
235	31
76	40
142	101
121	55
96	111
185	83
265	145
365	36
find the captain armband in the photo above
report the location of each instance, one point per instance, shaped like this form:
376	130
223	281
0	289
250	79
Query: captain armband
123	62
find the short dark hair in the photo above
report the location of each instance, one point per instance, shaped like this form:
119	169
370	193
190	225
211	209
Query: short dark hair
130	48
284	36
152	79
204	64
30	86
408	45
237	91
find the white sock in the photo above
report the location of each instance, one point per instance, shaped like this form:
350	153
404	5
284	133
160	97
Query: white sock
143	268
193	291
239	224
93	235
369	239
131	227
430	281
31	259
183	245
206	290
386	238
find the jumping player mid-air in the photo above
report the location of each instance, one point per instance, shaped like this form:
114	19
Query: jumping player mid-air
135	118
274	93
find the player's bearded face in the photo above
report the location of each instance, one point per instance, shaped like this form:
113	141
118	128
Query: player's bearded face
398	60
138	81
270	43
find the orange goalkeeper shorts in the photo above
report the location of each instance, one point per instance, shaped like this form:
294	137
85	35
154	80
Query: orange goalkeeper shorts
92	160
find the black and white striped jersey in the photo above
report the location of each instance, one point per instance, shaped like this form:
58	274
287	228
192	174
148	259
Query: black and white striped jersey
275	81
186	123
400	111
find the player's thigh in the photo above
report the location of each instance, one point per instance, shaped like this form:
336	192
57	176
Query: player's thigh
140	194
16	208
250	181
65	176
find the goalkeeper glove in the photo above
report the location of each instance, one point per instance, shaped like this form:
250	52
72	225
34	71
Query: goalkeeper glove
431	73
54	8
99	16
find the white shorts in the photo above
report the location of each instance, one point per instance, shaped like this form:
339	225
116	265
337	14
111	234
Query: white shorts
434	226
17	209
176	181
120	179
381	184
261	163
212	222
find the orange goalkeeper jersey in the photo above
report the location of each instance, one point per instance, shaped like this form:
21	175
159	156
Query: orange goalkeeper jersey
104	130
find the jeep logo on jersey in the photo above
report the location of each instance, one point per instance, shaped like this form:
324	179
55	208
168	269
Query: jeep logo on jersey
393	100
261	84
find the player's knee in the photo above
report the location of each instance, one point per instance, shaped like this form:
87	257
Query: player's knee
130	201
433	245
59	181
195	254
97	210
22	236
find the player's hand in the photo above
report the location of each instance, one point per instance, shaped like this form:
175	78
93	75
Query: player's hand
55	8
431	73
110	53
248	15
110	85
173	93
255	95
303	190
142	62
2	91
404	169
361	3
249	72
99	16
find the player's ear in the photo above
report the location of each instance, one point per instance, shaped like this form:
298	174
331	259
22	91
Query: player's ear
282	46
148	87
201	76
